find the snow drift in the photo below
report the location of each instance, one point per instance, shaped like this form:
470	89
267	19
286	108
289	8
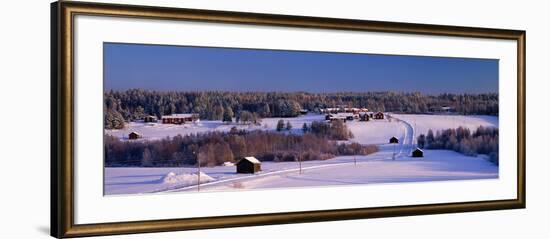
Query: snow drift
185	179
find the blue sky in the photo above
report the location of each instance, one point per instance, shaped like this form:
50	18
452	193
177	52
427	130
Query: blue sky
183	68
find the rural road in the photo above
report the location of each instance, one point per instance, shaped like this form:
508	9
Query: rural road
408	140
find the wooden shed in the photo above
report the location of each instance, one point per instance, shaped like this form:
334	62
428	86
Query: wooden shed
134	135
394	140
417	153
363	116
249	165
149	119
378	115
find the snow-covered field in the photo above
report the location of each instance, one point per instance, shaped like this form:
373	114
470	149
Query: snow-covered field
344	170
423	123
152	131
376	131
437	165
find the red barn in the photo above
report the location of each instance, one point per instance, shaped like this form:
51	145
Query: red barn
180	118
378	115
149	119
134	135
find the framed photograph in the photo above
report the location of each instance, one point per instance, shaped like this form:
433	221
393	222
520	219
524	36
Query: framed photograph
170	119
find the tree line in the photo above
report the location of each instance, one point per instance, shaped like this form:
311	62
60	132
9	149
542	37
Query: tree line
335	130
215	148
133	104
484	140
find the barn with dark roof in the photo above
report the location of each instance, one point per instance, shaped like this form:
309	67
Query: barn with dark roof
418	153
134	135
378	115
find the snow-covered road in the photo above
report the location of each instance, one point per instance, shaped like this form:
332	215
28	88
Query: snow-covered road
406	146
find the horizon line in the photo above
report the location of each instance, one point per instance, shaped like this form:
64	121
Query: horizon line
298	91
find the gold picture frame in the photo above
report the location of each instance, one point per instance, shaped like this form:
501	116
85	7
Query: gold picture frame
62	123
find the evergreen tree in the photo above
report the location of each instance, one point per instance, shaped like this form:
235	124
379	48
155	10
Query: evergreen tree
113	120
218	113
421	141
228	115
305	128
246	117
265	111
138	114
280	125
430	138
288	126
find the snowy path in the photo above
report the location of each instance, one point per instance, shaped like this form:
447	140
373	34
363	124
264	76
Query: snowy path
379	132
408	141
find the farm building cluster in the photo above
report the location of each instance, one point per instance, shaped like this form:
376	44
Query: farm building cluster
173	119
331	114
345	114
343	110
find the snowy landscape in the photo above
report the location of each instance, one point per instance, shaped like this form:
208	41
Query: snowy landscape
197	119
152	131
380	167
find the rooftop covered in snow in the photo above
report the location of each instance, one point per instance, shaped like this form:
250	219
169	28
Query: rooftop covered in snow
179	116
